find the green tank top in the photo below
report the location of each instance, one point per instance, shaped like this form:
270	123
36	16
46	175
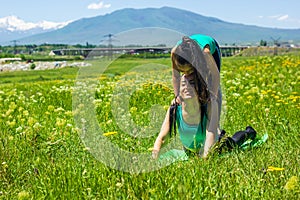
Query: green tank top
191	136
202	41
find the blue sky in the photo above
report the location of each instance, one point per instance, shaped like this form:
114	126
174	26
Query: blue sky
266	13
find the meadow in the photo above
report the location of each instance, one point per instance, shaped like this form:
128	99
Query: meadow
43	153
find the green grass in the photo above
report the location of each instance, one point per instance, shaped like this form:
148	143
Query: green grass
37	75
117	67
43	157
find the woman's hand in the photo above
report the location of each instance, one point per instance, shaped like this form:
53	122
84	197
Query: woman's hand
155	154
176	100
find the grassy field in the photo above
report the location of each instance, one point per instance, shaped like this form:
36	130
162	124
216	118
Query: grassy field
43	154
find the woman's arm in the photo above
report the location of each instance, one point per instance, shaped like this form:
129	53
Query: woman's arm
162	134
212	126
206	49
176	81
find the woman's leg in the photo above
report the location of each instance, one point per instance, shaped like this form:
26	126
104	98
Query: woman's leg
242	136
226	143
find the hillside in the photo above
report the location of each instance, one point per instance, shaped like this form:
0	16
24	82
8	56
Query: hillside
93	30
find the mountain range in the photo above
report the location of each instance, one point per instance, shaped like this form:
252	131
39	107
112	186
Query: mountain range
137	25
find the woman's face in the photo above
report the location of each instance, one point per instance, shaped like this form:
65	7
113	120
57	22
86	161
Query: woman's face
186	69
187	87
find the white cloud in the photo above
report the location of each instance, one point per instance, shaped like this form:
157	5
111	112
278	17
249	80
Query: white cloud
279	17
283	17
97	6
280	20
13	23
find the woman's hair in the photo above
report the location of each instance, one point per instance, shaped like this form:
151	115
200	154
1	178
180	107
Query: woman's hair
189	52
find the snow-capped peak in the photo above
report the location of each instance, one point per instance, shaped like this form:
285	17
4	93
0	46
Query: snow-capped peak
13	23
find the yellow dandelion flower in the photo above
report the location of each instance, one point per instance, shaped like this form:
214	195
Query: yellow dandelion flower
250	97
150	149
69	113
23	195
133	109
25	113
8	112
12	105
264	92
109	133
50	108
12	123
271	168
31	121
60	109
60	122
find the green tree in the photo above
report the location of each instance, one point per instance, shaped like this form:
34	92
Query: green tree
263	43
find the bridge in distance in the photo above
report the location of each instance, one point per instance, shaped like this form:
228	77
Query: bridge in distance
225	50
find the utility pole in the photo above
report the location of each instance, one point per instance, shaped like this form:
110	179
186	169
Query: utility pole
15	46
110	46
276	44
109	40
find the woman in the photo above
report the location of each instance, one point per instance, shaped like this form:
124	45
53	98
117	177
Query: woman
191	120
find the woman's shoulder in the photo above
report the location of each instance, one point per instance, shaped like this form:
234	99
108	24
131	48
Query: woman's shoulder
173	50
